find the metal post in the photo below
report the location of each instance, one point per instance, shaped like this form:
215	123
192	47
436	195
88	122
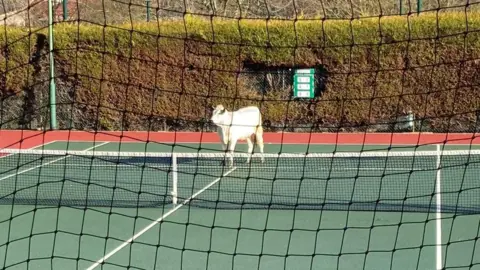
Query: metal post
438	219
174	180
401	7
148	10
65	10
419	6
53	115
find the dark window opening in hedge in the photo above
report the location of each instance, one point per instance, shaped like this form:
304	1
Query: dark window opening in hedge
264	78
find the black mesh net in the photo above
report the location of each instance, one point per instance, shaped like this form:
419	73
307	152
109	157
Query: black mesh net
109	158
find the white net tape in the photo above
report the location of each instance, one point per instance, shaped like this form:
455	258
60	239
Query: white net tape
223	154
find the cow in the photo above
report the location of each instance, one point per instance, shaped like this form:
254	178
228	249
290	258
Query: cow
242	124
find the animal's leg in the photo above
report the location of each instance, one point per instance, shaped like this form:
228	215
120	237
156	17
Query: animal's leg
259	141
224	148
250	149
231	148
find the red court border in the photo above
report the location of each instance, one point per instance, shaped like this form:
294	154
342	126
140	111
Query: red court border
30	138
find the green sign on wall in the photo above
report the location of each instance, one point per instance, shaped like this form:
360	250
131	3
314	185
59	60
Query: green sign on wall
304	83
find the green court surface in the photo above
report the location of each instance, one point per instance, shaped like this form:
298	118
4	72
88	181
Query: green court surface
213	231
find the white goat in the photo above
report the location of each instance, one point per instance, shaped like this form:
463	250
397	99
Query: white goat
243	124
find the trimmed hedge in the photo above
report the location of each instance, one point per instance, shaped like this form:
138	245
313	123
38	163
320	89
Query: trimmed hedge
168	74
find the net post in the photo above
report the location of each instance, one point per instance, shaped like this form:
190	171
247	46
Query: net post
174	179
53	106
65	9
438	212
147	3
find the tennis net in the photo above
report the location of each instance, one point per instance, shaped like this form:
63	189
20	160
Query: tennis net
367	180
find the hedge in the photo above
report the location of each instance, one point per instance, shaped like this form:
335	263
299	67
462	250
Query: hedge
164	75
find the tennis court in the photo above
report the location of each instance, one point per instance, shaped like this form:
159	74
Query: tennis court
286	213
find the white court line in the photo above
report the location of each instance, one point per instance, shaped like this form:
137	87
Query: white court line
44	164
31	148
111	253
178	143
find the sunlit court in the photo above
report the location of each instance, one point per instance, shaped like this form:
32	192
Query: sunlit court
96	204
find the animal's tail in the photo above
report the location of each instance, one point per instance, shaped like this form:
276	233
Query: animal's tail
258	136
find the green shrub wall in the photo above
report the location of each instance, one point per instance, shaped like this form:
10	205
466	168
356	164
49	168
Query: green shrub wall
141	76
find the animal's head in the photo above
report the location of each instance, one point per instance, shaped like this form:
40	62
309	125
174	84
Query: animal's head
217	114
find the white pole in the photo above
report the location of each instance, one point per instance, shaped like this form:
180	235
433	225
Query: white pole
438	226
174	179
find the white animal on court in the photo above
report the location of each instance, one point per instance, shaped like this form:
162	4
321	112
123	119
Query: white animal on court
243	124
